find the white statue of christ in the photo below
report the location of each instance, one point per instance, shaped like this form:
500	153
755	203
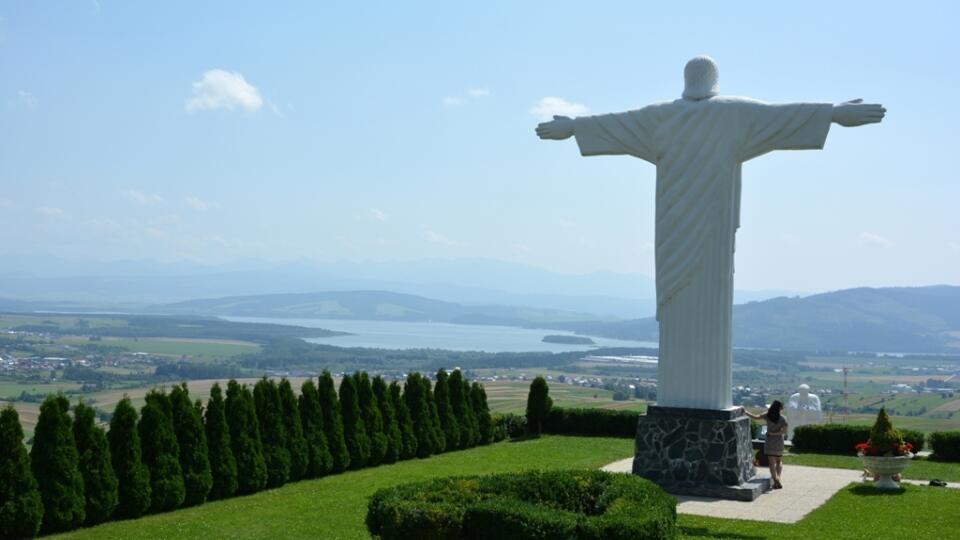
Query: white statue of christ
698	144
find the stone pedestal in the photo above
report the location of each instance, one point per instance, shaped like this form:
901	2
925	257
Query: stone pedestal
703	452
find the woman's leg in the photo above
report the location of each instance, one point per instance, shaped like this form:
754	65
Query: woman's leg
779	466
772	463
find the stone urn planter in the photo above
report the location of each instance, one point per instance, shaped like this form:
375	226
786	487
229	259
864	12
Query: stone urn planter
884	468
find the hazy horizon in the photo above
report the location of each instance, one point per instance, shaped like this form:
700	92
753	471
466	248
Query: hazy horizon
208	134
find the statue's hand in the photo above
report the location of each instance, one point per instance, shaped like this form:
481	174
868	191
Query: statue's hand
857	113
561	127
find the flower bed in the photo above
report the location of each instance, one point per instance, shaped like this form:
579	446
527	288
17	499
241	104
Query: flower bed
554	504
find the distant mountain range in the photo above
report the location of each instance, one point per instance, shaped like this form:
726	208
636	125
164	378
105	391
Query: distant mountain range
896	319
373	305
135	285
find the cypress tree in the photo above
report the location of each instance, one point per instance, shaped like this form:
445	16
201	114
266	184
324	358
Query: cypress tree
448	422
161	453
133	477
372	419
408	446
438	438
223	467
538	405
319	460
419	414
478	398
460	402
99	481
273	435
333	423
296	444
21	508
55	464
245	438
354	430
194	452
391	429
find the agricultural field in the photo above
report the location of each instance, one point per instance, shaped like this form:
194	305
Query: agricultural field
198	349
511	397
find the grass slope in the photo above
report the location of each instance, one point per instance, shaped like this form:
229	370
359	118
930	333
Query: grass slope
919	469
855	512
335	506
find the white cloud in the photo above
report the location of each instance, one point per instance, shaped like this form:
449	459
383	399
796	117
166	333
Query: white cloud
436	238
96	6
199	204
478	92
954	246
146	199
452	101
473	93
219	89
51	212
549	106
377	214
27	99
874	240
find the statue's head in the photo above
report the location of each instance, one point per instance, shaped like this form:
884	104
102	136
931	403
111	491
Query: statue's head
701	78
804	390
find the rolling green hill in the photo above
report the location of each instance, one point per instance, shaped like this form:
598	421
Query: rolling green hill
900	319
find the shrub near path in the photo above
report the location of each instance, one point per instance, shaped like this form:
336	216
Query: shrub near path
335	506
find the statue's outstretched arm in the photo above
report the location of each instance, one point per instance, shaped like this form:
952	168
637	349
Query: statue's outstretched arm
561	127
857	113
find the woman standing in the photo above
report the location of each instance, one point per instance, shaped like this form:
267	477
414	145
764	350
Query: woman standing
776	432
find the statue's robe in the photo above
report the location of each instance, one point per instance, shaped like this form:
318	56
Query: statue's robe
698	148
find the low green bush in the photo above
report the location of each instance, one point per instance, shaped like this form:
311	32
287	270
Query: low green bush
509	425
553	504
843	438
592	422
945	445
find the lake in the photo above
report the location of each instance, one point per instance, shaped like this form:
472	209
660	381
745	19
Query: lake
430	335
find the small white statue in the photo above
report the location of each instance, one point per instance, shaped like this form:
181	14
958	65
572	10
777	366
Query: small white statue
803	408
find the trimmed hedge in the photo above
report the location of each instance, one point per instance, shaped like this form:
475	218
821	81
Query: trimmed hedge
945	445
843	438
552	504
592	422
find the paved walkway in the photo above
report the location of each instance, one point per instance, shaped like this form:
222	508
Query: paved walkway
804	490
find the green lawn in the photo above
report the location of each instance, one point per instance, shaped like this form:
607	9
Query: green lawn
919	468
855	512
335	506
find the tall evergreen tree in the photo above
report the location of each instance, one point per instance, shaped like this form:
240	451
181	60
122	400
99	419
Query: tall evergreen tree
296	444
133	476
55	464
333	423
273	435
319	460
245	438
99	481
194	452
21	508
223	467
460	402
161	453
448	422
408	446
538	405
478	398
439	441
391	429
419	414
372	418
354	430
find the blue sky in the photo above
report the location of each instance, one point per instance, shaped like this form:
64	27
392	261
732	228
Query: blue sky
214	131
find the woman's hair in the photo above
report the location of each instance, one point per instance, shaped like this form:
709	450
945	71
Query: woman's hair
773	413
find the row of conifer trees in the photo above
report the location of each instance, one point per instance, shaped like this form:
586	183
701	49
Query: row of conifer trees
176	452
